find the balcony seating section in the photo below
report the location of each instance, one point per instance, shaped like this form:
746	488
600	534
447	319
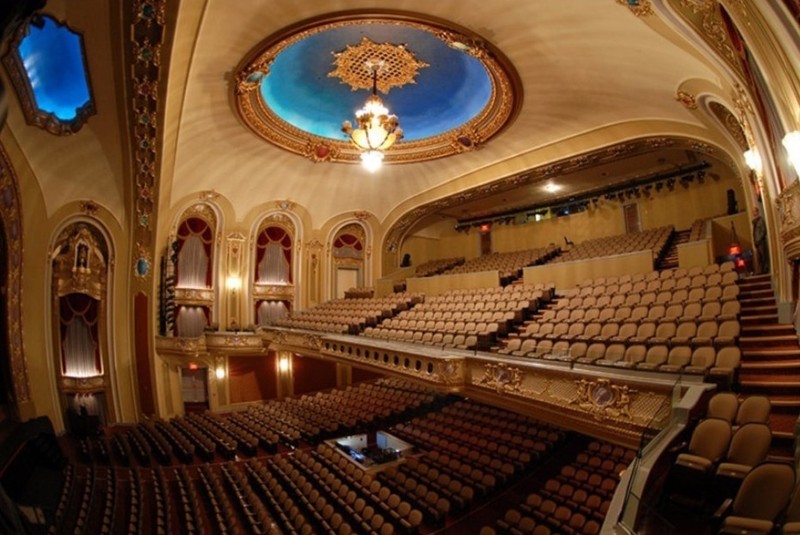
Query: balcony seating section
654	240
575	500
464	319
438	266
698	230
634	322
367	292
509	264
348	316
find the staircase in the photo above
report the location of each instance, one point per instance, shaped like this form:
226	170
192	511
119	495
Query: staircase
669	260
770	355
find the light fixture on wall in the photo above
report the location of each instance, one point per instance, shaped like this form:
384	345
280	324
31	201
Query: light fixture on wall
753	159
233	283
791	142
377	129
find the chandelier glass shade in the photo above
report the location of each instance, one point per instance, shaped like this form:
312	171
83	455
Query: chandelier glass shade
376	129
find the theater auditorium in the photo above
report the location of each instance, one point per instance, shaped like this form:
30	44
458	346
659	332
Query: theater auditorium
414	268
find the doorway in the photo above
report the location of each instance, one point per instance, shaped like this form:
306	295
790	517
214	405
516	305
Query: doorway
194	389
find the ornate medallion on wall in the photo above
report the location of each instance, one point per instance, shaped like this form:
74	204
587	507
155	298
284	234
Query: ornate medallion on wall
451	90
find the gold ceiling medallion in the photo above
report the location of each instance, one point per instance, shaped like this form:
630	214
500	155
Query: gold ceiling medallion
398	65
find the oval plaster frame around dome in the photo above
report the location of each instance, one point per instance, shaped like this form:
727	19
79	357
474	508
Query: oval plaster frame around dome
502	104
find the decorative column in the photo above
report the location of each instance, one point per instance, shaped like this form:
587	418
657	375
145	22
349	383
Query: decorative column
285	381
233	282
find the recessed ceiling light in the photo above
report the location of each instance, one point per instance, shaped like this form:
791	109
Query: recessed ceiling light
551	188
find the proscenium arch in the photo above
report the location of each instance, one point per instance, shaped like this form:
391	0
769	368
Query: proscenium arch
397	232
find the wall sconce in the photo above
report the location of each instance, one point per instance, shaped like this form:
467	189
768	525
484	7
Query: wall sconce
233	283
753	159
220	372
791	142
283	364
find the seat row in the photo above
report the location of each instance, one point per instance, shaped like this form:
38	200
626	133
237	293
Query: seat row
652	239
695	332
508	264
722	361
573	502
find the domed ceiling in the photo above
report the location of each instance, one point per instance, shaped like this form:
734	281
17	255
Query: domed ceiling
449	88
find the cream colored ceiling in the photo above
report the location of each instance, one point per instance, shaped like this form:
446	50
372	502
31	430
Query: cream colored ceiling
592	74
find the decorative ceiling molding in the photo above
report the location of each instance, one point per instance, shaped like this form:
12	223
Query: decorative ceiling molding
11	218
21	81
640	8
704	17
502	107
148	19
730	122
398	230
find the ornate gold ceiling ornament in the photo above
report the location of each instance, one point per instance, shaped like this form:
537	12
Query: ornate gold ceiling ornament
705	18
730	122
501	109
604	399
640	8
502	377
90	208
744	109
398	65
208	195
687	99
471	45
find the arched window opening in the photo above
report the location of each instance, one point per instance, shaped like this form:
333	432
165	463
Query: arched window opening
274	256
80	347
195	254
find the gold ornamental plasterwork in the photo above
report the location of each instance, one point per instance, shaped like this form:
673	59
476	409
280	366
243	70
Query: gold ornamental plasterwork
273	291
79	263
11	218
279	219
687	99
182	346
194	296
788	205
705	18
82	384
730	122
616	407
642	8
502	378
501	108
604	399
397	65
201	211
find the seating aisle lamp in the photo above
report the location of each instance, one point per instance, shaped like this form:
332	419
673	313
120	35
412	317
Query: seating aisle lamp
377	130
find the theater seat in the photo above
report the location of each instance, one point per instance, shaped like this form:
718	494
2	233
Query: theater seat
764	494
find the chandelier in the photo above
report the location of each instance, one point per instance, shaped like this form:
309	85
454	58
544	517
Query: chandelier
377	130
